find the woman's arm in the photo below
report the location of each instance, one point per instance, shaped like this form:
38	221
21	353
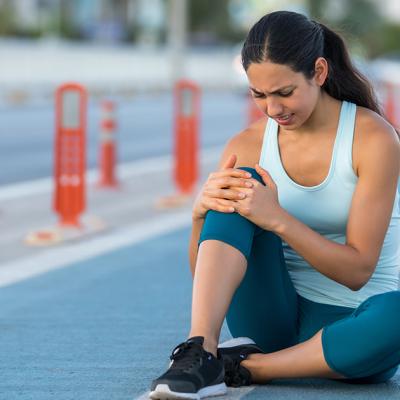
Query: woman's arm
343	263
353	263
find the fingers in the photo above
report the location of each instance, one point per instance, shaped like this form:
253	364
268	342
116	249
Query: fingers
230	194
229	172
230	162
265	176
224	187
232	182
221	205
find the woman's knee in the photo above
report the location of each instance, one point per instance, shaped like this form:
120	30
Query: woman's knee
386	307
366	342
253	172
231	228
231	218
384	304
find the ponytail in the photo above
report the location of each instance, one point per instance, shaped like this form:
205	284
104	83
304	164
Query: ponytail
344	81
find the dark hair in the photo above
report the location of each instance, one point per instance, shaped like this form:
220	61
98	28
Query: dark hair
289	38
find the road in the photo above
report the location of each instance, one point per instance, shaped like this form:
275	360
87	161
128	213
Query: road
103	328
145	129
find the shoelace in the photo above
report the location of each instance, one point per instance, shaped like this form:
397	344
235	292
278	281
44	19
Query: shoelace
186	355
233	376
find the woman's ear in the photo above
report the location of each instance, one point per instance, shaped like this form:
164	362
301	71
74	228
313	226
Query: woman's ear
321	70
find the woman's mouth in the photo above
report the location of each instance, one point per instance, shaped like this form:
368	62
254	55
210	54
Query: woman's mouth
284	119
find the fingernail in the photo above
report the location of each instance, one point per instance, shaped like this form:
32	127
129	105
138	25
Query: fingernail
248	174
249	184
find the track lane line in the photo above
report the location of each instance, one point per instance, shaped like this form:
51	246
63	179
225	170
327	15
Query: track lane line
67	255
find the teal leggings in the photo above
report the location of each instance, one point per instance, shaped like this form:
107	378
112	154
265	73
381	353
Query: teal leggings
362	344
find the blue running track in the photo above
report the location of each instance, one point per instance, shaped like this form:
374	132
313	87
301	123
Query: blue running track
104	328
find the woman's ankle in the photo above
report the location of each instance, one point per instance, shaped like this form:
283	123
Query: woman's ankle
255	365
210	344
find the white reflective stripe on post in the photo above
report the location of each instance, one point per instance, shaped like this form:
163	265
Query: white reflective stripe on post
106	137
107	114
70	110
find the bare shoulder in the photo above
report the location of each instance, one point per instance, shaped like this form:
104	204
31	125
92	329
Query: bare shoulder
246	145
373	136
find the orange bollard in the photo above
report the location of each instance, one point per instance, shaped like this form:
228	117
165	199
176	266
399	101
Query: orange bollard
390	105
186	127
253	111
187	104
107	154
70	153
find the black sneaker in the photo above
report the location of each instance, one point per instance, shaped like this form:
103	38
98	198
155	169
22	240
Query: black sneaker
233	352
193	373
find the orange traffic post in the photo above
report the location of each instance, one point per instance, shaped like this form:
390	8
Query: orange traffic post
253	111
107	153
69	197
70	153
187	104
186	132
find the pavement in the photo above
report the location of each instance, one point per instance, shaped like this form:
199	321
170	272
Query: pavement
27	207
97	318
103	328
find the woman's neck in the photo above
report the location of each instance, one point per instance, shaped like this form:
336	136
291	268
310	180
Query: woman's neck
324	117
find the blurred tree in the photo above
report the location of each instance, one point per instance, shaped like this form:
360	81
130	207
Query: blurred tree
66	26
360	22
390	38
7	18
210	23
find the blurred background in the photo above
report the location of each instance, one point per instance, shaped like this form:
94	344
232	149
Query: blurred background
136	49
132	52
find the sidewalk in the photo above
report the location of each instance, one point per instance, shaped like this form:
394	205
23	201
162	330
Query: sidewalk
27	207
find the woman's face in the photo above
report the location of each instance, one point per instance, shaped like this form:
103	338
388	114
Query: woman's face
283	94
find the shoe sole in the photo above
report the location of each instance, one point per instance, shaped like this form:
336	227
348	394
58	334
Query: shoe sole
239	341
163	392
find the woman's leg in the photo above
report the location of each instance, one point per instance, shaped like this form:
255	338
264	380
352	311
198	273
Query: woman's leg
264	306
219	270
236	255
305	359
363	347
300	361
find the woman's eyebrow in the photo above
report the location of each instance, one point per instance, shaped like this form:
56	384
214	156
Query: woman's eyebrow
275	91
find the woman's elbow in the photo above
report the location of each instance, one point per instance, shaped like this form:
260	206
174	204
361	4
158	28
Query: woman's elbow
363	277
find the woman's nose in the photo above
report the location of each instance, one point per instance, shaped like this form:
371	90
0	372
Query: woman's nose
274	107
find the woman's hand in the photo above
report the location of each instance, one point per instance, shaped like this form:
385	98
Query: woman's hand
261	204
221	189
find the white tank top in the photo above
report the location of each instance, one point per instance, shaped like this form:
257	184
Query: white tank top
325	209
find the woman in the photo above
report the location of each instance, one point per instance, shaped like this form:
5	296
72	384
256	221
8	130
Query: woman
301	253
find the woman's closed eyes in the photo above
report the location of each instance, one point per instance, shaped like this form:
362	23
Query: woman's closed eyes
258	95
